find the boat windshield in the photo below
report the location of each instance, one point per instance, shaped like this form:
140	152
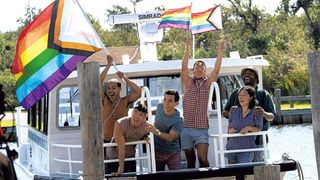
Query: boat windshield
68	107
68	96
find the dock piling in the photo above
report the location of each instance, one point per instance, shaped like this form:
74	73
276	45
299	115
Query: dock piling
90	120
267	172
314	77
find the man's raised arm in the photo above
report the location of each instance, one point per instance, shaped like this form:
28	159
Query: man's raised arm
185	59
215	71
104	73
136	89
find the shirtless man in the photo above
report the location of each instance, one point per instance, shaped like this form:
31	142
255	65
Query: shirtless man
114	106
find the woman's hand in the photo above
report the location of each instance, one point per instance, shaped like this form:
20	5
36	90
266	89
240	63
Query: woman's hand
232	130
245	130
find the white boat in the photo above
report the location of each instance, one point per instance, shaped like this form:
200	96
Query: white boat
48	148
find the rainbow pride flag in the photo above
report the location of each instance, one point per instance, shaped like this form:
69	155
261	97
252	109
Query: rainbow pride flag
176	18
50	47
199	22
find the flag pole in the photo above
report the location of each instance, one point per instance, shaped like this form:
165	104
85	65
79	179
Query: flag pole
193	36
115	67
193	46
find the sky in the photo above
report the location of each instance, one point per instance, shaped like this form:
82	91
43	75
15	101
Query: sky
11	10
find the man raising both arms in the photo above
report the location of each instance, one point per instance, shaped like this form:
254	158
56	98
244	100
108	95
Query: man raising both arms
114	106
195	102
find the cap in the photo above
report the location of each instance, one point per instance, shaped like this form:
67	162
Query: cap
251	69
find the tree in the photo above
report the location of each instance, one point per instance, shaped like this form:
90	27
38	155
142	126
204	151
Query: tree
8	82
172	45
286	53
117	10
7	44
97	26
159	8
312	12
30	14
249	14
250	17
120	34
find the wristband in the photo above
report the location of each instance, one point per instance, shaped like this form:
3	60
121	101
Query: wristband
158	132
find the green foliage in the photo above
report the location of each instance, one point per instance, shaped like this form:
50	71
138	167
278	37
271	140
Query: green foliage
117	10
95	23
284	39
7	49
8	81
311	9
120	38
30	14
249	14
159	8
172	45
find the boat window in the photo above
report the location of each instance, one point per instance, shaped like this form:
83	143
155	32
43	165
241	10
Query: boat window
38	115
158	86
68	107
231	83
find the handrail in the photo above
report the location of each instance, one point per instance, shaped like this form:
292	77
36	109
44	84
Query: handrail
239	134
215	86
70	161
145	92
221	151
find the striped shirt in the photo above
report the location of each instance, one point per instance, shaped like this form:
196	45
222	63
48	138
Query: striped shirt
195	104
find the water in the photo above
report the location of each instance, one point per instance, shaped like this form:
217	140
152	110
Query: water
295	140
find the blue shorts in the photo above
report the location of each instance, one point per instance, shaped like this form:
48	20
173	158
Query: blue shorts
243	157
190	137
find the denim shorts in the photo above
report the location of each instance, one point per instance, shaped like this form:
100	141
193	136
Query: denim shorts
243	157
190	137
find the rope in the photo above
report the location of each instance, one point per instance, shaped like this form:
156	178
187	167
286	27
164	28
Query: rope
285	157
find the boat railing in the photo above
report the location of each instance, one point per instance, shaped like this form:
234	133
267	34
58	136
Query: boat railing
139	155
218	139
70	161
145	93
219	152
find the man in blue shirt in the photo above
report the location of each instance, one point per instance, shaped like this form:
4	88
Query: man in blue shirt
167	128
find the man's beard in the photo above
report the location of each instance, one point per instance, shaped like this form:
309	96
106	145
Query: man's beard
248	81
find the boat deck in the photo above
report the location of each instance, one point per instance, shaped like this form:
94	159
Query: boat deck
239	172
